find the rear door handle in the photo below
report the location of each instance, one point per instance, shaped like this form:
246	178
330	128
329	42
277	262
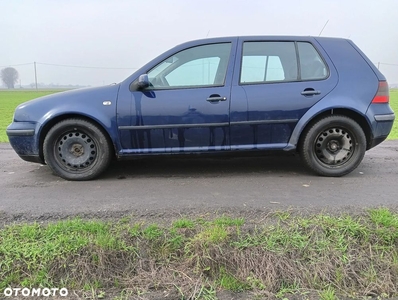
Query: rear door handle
310	92
216	98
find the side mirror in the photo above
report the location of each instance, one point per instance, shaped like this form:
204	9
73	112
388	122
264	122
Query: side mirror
141	83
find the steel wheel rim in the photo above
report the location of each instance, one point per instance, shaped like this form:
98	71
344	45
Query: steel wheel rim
334	146
76	150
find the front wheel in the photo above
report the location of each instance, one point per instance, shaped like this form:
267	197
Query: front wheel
76	149
333	146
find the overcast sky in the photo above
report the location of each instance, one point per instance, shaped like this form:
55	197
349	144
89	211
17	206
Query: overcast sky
128	33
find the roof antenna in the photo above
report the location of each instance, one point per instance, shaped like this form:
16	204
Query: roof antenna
208	33
323	27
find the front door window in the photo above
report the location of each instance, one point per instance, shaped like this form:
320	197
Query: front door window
202	66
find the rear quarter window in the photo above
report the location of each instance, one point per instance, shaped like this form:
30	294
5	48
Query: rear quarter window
311	63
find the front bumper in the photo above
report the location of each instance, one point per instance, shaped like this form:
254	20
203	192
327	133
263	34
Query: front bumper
24	140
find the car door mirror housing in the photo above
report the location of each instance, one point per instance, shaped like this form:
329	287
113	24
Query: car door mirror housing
141	83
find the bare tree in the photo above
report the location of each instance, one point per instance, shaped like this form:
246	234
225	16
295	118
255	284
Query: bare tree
9	76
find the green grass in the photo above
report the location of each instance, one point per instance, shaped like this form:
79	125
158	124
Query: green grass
326	255
9	100
394	105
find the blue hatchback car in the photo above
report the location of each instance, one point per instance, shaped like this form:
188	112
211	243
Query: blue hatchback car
321	97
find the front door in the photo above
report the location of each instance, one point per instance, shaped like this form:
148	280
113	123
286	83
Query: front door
186	106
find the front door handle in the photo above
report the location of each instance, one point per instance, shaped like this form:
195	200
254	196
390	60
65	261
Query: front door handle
310	92
216	98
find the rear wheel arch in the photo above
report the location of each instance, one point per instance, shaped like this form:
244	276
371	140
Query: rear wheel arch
361	120
334	146
47	126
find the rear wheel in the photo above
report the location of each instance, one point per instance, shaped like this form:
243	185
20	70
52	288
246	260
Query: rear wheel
76	149
333	146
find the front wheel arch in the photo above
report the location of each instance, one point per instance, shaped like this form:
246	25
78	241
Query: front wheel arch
46	128
77	149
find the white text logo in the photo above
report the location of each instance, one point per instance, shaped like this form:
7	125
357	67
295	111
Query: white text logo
45	292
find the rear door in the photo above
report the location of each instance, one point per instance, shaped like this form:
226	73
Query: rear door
276	82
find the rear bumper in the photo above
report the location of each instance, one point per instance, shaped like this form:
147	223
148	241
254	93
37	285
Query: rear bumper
382	126
385	118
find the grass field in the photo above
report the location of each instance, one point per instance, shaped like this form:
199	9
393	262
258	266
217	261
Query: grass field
394	105
9	100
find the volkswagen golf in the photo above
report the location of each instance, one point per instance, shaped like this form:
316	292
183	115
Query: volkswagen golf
321	97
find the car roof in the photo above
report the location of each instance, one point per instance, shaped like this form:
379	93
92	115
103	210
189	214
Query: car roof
255	38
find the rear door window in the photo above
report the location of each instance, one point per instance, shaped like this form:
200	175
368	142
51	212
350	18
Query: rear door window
268	62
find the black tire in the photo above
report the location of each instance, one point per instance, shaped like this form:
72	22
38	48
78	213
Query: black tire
333	146
76	149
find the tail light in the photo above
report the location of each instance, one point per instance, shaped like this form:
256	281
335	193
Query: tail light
383	93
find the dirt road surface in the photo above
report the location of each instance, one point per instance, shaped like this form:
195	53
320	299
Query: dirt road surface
172	186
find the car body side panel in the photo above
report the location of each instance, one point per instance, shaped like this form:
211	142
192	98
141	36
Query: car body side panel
357	85
185	122
371	65
88	103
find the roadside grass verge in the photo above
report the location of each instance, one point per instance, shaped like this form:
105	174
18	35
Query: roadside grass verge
321	254
9	100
